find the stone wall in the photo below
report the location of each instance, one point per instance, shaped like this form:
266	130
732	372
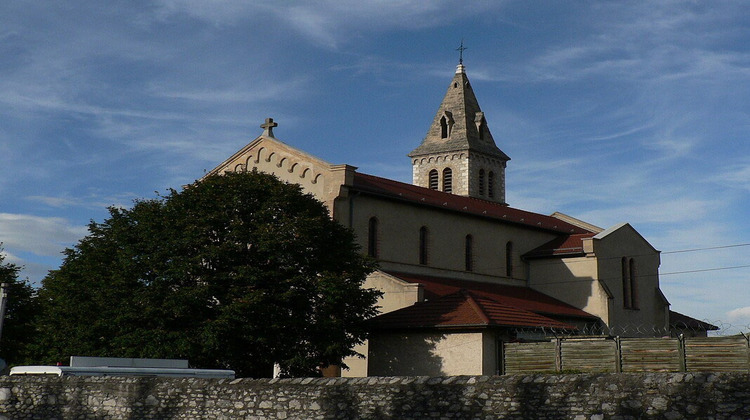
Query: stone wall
589	396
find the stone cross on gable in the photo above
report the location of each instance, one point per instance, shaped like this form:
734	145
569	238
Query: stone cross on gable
268	127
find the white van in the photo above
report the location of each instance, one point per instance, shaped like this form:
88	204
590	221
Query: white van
111	366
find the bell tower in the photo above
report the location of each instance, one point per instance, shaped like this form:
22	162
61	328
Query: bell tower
458	155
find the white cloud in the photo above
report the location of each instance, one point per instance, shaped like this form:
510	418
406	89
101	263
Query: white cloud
44	236
739	314
734	176
331	23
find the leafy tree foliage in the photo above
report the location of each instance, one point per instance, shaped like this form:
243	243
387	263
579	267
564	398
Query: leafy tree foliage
235	271
18	333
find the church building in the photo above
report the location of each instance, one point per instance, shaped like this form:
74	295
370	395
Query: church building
461	271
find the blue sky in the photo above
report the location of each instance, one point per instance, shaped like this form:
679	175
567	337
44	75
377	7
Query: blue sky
610	111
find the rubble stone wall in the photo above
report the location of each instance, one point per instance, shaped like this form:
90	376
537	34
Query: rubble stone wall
580	396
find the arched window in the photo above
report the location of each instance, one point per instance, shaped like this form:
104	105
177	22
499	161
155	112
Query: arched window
372	237
447	180
481	182
633	285
423	245
434	179
627	291
443	128
491	185
509	259
469	253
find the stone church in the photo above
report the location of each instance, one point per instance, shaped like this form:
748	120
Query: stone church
461	271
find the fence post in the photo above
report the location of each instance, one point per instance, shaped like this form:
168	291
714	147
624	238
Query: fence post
558	354
747	338
681	351
618	355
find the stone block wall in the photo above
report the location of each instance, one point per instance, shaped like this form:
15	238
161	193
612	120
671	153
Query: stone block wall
588	396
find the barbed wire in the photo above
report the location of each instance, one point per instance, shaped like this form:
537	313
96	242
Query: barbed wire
593	330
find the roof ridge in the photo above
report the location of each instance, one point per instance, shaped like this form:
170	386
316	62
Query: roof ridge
456	200
475	306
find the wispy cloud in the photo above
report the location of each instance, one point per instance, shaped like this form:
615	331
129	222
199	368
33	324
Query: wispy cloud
45	236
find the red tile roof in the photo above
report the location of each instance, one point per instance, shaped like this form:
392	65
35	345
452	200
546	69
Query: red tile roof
468	205
519	297
463	309
571	245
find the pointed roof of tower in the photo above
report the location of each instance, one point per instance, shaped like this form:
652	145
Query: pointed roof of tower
459	123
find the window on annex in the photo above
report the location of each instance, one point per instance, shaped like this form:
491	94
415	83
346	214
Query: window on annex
633	285
629	284
469	253
509	259
372	237
423	237
433	179
491	185
481	182
447	180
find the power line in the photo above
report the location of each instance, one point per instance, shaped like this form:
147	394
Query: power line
705	269
706	249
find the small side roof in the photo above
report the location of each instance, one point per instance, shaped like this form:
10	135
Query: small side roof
564	246
681	321
523	298
463	309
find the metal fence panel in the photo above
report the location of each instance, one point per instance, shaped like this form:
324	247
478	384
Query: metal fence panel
651	355
530	357
717	354
711	354
596	355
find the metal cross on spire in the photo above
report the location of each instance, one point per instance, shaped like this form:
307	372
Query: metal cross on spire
461	52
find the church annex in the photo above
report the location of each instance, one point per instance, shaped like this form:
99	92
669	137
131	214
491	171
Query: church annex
461	271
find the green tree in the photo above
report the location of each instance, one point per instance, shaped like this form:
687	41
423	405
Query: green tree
235	271
21	309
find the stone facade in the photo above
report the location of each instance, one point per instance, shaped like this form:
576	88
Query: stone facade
580	397
460	140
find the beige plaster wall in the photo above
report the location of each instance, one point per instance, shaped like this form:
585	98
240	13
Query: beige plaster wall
397	294
594	282
398	240
652	310
430	353
573	281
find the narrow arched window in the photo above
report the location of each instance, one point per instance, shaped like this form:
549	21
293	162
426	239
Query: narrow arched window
627	291
633	274
509	259
491	185
469	253
434	179
443	128
423	245
481	182
447	180
372	237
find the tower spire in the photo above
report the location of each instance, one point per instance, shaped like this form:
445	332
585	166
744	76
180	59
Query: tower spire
458	152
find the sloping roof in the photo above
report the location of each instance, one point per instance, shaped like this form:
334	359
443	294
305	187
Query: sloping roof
523	298
678	320
468	127
427	197
463	309
564	246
